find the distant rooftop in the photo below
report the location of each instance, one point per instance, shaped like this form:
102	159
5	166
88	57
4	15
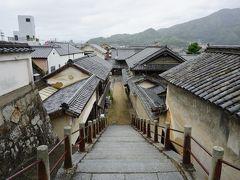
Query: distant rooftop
11	47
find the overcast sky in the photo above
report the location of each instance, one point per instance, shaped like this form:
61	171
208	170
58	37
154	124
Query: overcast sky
81	20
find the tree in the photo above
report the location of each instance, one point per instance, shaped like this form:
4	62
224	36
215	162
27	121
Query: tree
193	48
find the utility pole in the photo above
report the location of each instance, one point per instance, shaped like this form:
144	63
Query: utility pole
2	35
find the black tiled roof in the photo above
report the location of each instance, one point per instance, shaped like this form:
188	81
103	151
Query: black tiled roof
152	103
214	76
121	54
118	64
72	98
77	102
95	65
9	47
137	61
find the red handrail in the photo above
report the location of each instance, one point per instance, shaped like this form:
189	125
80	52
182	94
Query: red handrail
206	171
58	161
201	146
24	169
56	145
229	164
171	129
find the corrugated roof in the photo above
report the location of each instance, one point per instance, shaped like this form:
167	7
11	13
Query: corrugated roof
214	76
95	65
9	47
66	48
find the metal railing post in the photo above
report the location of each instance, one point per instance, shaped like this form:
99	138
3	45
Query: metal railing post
94	128
167	142
138	123
155	139
43	167
187	146
132	120
97	126
82	138
100	125
89	132
68	147
216	165
144	126
148	128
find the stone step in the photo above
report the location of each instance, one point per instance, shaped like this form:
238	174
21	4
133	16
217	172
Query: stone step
126	166
125	155
135	176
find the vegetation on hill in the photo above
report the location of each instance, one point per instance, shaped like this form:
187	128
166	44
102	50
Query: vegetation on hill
221	27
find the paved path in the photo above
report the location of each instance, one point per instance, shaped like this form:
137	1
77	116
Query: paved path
122	154
119	112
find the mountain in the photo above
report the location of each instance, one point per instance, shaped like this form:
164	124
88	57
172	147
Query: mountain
221	27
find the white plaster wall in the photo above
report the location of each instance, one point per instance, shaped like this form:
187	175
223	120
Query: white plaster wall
67	77
54	59
15	72
210	126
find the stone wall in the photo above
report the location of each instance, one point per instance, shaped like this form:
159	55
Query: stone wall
24	125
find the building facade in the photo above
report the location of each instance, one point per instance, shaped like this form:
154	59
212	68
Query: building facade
26	32
204	93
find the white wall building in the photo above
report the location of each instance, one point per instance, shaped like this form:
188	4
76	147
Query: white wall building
54	55
26	32
15	66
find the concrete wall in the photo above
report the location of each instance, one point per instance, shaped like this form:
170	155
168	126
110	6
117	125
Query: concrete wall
16	71
24	125
68	76
210	126
25	28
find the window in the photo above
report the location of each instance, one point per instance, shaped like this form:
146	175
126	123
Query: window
16	38
28	37
53	68
27	19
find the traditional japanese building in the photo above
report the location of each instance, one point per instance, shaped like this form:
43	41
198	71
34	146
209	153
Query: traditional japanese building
205	93
76	92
